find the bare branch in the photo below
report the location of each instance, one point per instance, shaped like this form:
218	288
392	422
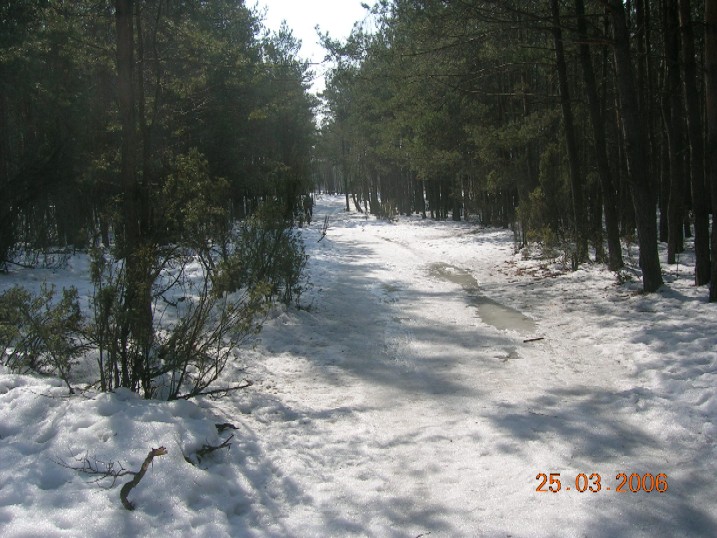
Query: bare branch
161	451
216	392
208	449
99	469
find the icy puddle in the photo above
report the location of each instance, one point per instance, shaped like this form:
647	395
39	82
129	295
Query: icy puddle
491	312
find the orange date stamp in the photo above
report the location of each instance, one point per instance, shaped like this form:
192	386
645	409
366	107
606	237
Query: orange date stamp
593	483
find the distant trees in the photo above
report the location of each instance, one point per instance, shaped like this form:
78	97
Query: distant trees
468	106
448	109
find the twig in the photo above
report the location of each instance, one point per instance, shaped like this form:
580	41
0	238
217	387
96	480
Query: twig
225	426
324	229
23	265
224	391
97	468
161	451
208	449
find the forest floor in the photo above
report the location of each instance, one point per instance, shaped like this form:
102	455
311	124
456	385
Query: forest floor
430	379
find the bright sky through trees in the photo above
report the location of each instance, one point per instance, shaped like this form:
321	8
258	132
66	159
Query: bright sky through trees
336	17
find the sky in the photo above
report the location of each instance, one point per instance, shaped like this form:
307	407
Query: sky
336	17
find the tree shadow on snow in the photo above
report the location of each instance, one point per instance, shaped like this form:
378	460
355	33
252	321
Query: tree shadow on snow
353	338
357	319
601	434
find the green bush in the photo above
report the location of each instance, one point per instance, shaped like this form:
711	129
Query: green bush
196	329
41	334
192	353
268	252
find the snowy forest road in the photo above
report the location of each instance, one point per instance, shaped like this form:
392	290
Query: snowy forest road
392	408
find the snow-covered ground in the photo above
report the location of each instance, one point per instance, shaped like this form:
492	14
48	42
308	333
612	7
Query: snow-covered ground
403	401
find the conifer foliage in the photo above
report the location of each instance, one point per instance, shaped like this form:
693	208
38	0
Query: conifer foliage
101	102
572	121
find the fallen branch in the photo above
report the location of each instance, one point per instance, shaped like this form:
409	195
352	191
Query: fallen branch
161	451
528	340
208	449
217	392
103	470
324	229
21	265
225	426
97	468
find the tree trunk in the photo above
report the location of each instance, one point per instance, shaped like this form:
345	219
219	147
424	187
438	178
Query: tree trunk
636	146
375	207
664	195
711	115
345	171
697	152
598	128
137	299
674	127
128	117
7	211
576	183
644	77
457	199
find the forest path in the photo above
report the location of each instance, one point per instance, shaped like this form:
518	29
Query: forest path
391	385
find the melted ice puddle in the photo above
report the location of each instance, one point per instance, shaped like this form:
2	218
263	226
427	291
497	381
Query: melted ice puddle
493	313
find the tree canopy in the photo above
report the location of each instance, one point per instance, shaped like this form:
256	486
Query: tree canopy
565	119
208	82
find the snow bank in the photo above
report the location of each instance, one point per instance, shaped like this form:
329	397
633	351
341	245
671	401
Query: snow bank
391	405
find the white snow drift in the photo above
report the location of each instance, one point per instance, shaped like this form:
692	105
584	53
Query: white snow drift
403	400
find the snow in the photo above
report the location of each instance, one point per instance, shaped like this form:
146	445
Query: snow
402	400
